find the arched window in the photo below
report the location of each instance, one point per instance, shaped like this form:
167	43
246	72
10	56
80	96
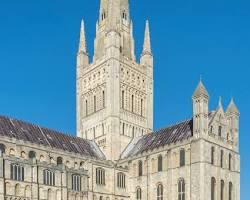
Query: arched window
222	184
123	99
140	170
160	192
17	190
213	182
221	158
159	163
100	176
181	189
121	180
16	172
182	157
229	161
48	177
124	15
50	197
32	155
132	103
94	103
212	155
76	182
138	194
59	161
103	15
230	195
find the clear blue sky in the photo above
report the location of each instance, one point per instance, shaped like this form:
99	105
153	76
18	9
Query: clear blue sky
39	40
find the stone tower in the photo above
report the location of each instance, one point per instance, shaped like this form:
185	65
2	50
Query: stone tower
200	110
114	92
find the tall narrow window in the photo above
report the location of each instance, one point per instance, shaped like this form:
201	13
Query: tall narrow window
123	128
159	163
123	99
132	103
230	161
48	177
121	180
181	189
16	172
222	190
86	107
212	155
103	129
76	182
140	171
221	158
220	131
124	15
213	182
94	103
103	15
182	157
230	195
211	129
133	132
100	176
103	99
160	192
138	194
141	107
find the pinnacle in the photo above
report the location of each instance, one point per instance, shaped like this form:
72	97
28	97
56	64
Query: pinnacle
82	43
232	108
200	90
147	43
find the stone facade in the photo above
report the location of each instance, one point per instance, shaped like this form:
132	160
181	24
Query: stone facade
114	93
116	156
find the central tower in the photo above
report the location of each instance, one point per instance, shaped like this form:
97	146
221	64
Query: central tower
114	92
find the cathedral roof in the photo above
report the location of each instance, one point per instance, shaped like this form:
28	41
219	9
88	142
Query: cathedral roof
35	134
172	134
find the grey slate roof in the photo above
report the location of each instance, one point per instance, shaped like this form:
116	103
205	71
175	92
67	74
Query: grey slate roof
42	136
172	134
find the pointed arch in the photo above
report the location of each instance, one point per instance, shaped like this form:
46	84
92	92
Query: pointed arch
138	193
213	187
27	192
159	191
230	190
17	190
181	189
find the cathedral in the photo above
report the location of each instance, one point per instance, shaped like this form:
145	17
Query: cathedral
116	155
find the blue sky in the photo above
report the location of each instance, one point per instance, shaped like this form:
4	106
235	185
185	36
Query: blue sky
39	40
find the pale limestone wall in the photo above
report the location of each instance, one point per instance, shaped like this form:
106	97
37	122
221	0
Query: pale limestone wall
33	187
114	70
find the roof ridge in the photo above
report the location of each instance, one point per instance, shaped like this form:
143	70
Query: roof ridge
50	137
172	125
41	127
